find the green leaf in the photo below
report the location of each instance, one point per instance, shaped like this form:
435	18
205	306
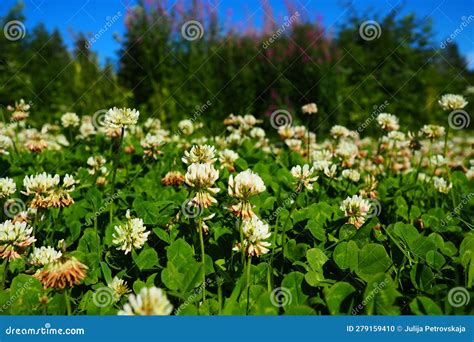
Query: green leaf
373	259
146	259
422	305
336	294
292	283
435	259
346	255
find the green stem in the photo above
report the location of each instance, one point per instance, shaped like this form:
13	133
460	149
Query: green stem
242	247
446	143
249	263
116	159
5	271
203	259
68	302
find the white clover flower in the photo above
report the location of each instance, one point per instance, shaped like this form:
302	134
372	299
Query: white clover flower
339	131
121	117
355	209
452	102
14	238
255	233
352	175
152	124
388	122
44	255
5	144
204	154
310	108
227	158
202	177
152	144
245	185
7	187
438	160
87	127
40	184
396	136
294	144
69	182
119	288
432	131
320	165
304	175
441	185
346	150
330	171
70	120
286	132
186	126
96	164
257	133
150	301
130	235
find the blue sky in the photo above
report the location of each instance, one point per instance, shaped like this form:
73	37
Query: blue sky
90	16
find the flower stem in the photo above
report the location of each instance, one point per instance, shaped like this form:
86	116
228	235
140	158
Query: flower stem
242	247
203	259
68	302
116	159
308	141
249	264
5	271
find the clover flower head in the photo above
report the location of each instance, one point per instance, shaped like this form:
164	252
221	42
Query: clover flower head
7	187
441	185
70	120
44	255
14	238
130	235
310	108
204	154
121	117
304	176
255	233
119	288
355	208
452	102
388	122
150	301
